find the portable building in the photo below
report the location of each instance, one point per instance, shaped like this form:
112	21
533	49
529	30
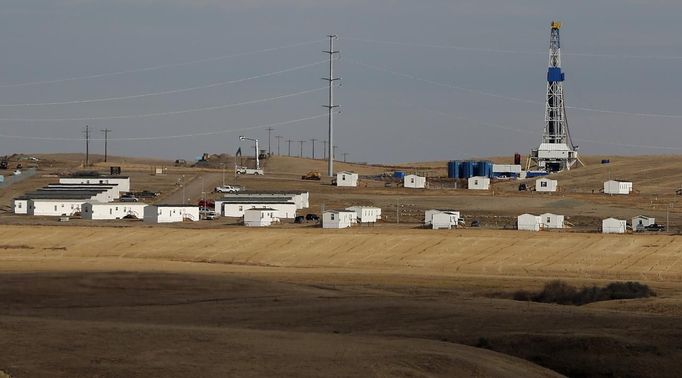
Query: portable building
550	220
300	198
346	179
260	217
617	187
170	213
478	183
231	207
53	207
613	226
112	210
528	222
365	214
112	189
506	170
122	181
545	184
414	182
20	205
453	214
337	218
641	221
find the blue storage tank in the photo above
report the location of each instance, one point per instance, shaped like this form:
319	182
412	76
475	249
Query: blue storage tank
399	174
451	169
488	169
467	169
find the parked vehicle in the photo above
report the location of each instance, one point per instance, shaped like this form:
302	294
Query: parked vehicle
207	214
226	189
128	199
249	171
206	204
655	227
299	219
523	187
475	223
312	217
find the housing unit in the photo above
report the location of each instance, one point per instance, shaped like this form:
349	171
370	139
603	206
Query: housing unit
345	178
260	217
414	182
617	187
545	184
613	226
528	222
338	218
112	210
478	183
170	213
365	214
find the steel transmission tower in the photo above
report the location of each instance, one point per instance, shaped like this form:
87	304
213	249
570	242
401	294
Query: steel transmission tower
330	106
557	151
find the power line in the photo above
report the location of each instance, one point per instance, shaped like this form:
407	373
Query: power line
154	68
178	136
172	91
219	107
510	98
509	51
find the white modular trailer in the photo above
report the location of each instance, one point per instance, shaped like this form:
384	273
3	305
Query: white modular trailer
300	198
260	217
550	220
283	209
55	207
528	222
641	221
414	182
453	215
20	205
613	226
442	221
170	213
507	169
478	183
337	218
365	214
122	181
617	187
111	189
112	210
103	193
545	184
346	179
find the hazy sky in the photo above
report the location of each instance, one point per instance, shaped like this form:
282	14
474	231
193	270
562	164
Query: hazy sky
421	80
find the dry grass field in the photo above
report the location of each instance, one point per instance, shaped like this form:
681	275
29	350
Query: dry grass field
121	298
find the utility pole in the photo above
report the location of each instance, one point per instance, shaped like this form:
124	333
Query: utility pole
278	139
301	154
269	132
324	149
331	79
289	140
334	151
344	156
313	140
87	145
106	140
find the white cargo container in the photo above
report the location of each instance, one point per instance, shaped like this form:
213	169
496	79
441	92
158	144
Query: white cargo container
529	222
337	218
613	226
617	187
545	184
414	182
260	217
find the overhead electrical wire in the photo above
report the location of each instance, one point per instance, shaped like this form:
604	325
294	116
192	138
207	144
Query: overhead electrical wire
510	98
176	112
178	136
509	51
172	91
159	67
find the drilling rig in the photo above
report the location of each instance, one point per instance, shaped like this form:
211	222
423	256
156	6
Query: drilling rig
556	151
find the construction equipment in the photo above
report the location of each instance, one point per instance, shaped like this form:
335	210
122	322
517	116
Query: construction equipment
4	163
312	175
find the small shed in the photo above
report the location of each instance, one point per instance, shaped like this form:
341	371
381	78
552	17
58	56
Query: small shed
617	187
528	222
112	210
613	226
550	220
20	205
641	221
478	183
414	182
345	178
545	184
338	218
260	217
365	214
170	213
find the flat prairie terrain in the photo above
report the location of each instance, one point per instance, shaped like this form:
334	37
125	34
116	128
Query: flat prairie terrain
172	301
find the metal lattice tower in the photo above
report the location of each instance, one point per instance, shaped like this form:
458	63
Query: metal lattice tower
556	152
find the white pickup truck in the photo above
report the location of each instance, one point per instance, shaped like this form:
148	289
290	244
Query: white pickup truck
248	171
227	189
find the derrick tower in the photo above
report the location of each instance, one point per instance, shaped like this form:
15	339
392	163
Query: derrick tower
556	151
